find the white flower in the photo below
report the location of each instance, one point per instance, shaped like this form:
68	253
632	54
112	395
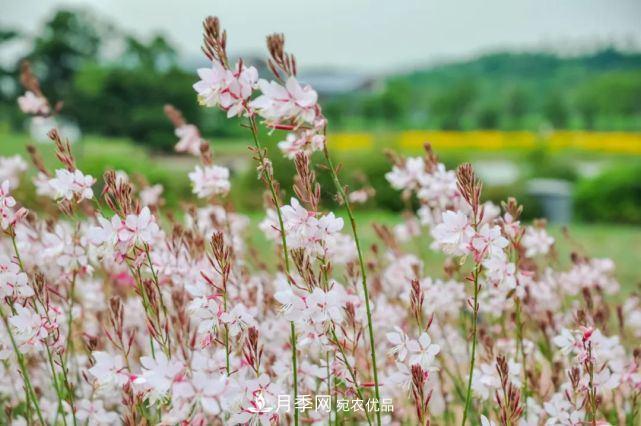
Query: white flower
109	370
28	328
150	196
9	217
567	341
453	234
501	272
237	319
69	185
410	175
560	412
400	341
485	378
11	168
13	282
158	375
423	352
41	182
93	412
306	141
292	102
326	306
219	87
205	312
486	422
488	242
438	188
139	228
189	139
536	241
30	103
210	180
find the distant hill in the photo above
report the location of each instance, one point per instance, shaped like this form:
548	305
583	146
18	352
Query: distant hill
507	90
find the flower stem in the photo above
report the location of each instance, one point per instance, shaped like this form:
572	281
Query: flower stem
351	370
475	314
521	350
361	263
272	189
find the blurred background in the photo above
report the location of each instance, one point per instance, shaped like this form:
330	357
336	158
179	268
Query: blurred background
543	97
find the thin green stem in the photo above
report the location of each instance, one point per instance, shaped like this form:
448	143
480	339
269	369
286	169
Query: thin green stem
226	334
475	312
272	189
154	275
351	371
329	388
361	263
521	350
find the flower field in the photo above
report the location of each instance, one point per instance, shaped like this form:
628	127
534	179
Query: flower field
485	140
117	309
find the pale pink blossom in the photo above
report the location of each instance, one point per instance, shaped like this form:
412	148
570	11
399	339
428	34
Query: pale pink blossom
227	89
33	104
536	241
13	282
150	195
139	228
109	370
72	185
453	234
158	375
423	352
303	142
293	102
11	168
189	139
211	180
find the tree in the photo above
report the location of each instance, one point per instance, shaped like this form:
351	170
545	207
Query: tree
450	105
67	41
555	110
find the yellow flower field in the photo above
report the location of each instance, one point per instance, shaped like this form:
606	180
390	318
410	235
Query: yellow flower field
493	140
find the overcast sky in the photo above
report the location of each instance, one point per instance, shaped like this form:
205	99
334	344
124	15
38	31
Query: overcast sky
373	35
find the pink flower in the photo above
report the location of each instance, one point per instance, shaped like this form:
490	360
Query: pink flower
158	375
536	241
150	196
453	234
306	141
109	370
9	217
94	412
423	352
189	139
294	102
219	87
28	328
210	180
30	103
410	175
488	242
400	340
72	185
139	228
11	168
13	282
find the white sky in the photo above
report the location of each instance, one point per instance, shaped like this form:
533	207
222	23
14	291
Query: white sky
373	35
